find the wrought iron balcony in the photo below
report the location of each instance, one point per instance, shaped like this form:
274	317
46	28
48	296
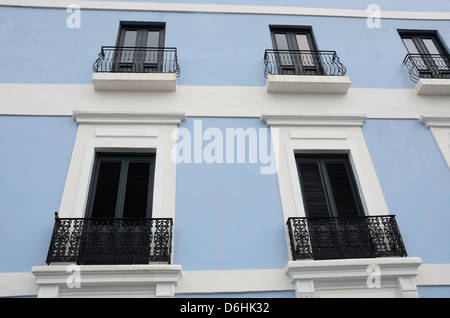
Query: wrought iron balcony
345	237
110	241
137	60
427	66
290	62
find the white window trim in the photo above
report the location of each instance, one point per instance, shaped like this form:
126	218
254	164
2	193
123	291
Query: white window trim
439	126
120	131
330	147
116	131
300	133
340	134
119	146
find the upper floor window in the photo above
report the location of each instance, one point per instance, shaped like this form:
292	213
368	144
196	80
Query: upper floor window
141	34
427	56
297	50
418	42
139	47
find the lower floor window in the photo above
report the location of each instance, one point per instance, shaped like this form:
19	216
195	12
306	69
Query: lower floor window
328	186
121	186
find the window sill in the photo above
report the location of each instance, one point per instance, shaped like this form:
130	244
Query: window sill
433	86
365	277
134	81
308	84
72	280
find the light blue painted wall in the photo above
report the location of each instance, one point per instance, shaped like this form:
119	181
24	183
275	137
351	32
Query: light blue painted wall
34	158
213	49
228	216
416	184
434	291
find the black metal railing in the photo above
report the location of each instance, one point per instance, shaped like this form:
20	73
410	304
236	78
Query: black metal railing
345	237
427	66
137	60
110	241
290	62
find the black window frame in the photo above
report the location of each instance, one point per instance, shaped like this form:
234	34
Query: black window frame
140	58
294	60
417	37
322	160
125	158
429	65
141	28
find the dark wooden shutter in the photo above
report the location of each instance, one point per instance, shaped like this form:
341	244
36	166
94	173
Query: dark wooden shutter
137	189
122	186
328	186
342	189
313	190
106	188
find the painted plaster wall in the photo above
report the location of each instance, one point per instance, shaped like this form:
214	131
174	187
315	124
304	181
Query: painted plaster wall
434	291
228	215
34	157
213	49
416	184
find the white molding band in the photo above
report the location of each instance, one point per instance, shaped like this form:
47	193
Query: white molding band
127	117
218	101
220	281
435	120
219	8
284	119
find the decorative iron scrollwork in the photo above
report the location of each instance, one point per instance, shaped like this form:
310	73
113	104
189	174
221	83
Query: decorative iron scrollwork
116	59
111	241
427	66
295	62
345	237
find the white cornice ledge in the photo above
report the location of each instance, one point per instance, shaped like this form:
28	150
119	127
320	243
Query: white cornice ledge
286	119
107	280
435	120
127	117
223	8
394	273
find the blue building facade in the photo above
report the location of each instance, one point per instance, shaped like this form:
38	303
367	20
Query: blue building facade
227	134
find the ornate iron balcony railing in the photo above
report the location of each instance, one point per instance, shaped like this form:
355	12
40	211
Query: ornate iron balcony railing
137	60
427	66
111	241
345	237
291	62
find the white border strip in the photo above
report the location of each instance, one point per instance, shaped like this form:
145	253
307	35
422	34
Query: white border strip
218	8
221	281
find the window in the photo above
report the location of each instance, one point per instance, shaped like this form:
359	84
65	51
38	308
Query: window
427	52
297	51
122	186
328	186
336	226
140	46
